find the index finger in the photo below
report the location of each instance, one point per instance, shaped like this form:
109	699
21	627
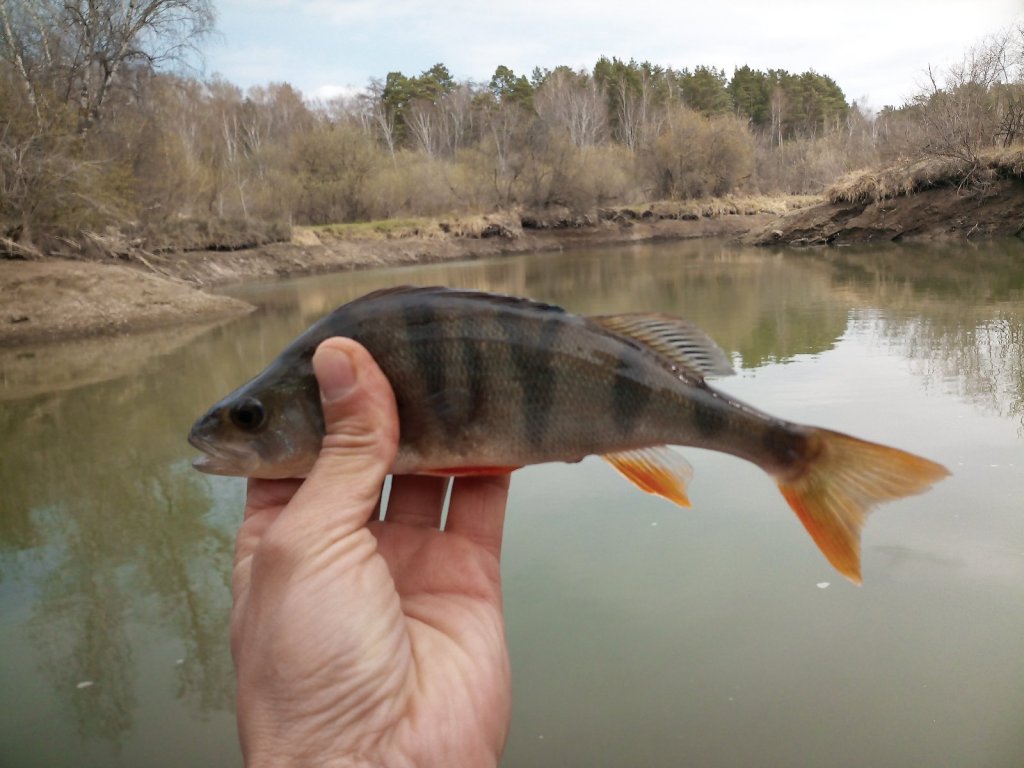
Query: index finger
477	510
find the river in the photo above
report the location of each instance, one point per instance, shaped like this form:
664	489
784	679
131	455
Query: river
641	634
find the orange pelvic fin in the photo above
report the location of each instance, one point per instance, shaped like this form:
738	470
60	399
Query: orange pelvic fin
657	469
835	493
468	471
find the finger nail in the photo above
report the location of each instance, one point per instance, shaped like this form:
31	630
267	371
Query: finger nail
334	373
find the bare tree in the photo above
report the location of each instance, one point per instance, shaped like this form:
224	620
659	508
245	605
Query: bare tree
29	44
74	50
974	103
380	115
504	121
634	107
424	123
456	108
575	103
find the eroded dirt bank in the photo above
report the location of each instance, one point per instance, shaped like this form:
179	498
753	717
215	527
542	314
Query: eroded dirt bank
310	252
53	300
940	212
57	300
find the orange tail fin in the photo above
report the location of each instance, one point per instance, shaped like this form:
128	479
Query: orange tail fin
836	492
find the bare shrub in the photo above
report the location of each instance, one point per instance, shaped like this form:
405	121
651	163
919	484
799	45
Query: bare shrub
730	157
698	156
334	166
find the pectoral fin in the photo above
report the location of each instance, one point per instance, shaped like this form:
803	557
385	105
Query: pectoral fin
657	469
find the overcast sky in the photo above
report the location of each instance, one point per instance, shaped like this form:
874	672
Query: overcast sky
876	50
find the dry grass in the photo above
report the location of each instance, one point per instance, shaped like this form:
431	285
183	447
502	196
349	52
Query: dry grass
732	205
213	234
431	228
875	185
509	223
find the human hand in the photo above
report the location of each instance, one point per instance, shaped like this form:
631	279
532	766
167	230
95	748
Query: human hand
365	642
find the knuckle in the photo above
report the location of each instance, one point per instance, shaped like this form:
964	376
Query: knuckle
349	439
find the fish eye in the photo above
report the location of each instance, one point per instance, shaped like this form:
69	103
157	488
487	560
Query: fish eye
248	415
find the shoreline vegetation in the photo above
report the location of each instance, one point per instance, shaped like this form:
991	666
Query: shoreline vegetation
56	299
126	183
48	300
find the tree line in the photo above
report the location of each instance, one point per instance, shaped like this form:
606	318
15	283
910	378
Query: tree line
101	137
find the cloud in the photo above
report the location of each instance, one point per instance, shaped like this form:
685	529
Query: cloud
874	47
252	64
330	91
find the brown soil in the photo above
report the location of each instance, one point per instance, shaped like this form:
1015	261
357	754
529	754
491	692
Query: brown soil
43	301
940	212
310	253
57	300
52	300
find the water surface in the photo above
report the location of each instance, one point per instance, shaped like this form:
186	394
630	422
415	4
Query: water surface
641	634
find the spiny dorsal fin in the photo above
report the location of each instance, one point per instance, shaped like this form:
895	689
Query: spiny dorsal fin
458	293
656	469
679	341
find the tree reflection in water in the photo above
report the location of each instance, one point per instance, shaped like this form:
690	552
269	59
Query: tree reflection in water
958	317
116	532
123	553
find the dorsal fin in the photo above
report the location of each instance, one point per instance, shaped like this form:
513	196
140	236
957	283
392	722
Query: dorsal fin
679	341
458	293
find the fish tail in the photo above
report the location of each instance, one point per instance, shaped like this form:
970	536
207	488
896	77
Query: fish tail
837	489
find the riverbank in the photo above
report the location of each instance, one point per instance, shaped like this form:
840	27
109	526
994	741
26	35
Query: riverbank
924	200
56	300
51	300
315	250
931	215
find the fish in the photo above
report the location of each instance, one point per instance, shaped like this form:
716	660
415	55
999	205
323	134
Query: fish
488	383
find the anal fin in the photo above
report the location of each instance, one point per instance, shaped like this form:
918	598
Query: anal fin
657	469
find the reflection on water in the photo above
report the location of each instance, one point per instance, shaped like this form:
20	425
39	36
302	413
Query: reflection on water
956	314
115	556
755	302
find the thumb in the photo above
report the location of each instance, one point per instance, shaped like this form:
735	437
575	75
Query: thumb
360	433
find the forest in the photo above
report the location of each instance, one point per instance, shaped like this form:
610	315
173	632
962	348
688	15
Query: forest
109	138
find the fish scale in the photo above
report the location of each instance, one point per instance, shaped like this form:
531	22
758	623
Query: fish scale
487	383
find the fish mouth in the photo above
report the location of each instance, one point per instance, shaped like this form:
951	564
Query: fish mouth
214	464
218	459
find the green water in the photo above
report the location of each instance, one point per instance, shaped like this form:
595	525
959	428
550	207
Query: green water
641	634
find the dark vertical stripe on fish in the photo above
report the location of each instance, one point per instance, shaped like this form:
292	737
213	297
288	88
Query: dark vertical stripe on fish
708	416
473	365
628	399
375	332
544	397
418	315
535	373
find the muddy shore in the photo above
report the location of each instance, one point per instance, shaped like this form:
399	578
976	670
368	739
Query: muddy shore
940	213
57	300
